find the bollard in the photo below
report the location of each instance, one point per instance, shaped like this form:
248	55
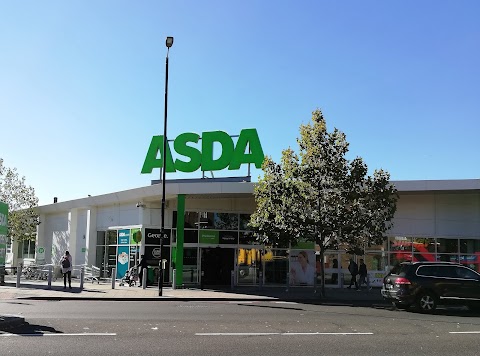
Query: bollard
174	279
341	279
144	279
82	276
19	274
114	271
260	279
288	281
202	274
49	277
315	283
232	279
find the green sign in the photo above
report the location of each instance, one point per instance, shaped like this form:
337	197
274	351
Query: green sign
135	236
247	150
209	237
3	232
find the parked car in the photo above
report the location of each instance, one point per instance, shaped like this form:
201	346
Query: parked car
427	284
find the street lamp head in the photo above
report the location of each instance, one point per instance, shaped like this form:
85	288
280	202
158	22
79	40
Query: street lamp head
169	42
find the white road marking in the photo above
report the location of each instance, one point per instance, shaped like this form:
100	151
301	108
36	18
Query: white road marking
464	332
282	334
285	302
61	334
235	334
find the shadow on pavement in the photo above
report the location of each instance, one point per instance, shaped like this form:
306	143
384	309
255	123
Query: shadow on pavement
33	329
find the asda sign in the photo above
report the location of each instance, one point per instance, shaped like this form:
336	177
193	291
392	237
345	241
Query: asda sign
195	155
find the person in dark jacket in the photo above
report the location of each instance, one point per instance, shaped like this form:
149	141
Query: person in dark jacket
66	265
363	275
142	265
353	269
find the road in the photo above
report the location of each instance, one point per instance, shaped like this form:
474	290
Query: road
240	328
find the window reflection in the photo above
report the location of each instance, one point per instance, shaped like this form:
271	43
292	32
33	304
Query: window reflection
447	245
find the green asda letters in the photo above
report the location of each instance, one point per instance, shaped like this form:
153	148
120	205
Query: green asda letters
232	156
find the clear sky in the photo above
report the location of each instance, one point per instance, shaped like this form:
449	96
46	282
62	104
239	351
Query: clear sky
82	83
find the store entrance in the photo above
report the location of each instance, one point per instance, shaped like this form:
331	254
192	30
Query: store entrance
217	264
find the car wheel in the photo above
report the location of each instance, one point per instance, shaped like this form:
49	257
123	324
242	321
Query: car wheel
427	302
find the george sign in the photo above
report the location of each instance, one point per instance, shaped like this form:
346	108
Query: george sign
152	237
3	232
247	150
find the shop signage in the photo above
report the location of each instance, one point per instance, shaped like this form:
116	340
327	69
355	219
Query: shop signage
209	237
152	237
123	237
247	150
228	238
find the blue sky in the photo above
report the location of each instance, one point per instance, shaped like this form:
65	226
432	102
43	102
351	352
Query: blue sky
82	83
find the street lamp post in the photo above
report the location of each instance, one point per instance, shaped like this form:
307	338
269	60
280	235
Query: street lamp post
168	43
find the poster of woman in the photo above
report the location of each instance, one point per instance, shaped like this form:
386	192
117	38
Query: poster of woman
302	267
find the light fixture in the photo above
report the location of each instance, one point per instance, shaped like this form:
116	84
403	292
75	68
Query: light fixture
169	42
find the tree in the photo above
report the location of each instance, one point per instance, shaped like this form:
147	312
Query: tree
320	196
22	202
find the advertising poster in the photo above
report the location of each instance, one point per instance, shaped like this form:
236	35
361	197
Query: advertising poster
122	252
302	267
3	232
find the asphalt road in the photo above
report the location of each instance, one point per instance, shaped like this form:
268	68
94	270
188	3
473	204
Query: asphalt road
226	328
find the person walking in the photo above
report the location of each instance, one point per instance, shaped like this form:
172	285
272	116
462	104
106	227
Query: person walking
66	263
142	265
353	269
363	275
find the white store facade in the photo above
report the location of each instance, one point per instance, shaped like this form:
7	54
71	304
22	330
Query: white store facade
206	222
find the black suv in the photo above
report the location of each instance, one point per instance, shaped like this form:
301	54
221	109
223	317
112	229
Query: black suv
426	284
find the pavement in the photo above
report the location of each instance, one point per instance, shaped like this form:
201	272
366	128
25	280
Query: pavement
103	291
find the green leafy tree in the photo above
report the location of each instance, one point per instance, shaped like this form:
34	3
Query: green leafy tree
22	202
320	196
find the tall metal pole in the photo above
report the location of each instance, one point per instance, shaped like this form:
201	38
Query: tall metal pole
164	170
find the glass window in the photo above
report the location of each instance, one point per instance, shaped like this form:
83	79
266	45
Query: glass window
226	221
375	261
400	243
396	259
424	245
276	266
466	273
469	246
244	220
112	237
248	238
446	271
191	220
422	257
447	245
447	258
100	237
376	247
430	271
401	249
190	236
472	261
190	265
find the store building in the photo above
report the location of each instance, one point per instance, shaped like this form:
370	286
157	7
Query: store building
206	222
